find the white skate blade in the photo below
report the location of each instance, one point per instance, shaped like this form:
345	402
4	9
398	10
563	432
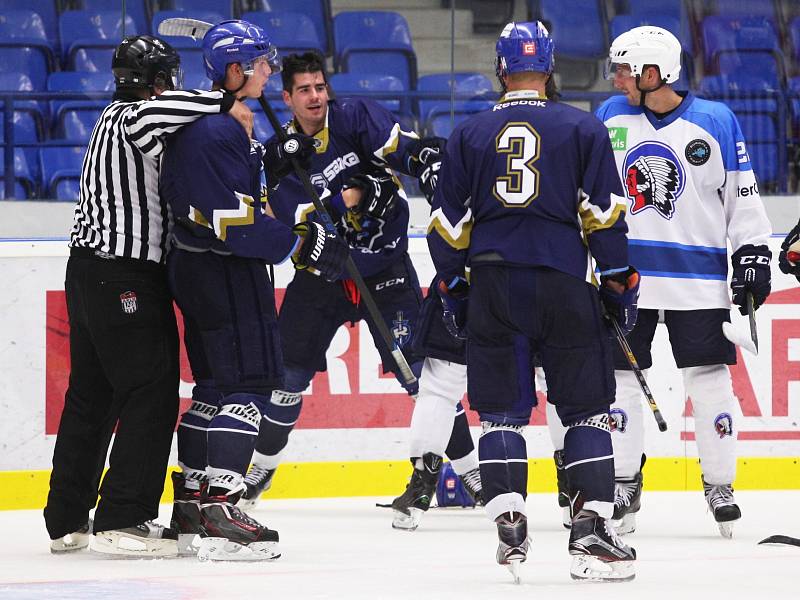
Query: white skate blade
566	517
590	568
740	338
625	525
513	567
71	542
188	544
400	520
116	544
222	549
726	529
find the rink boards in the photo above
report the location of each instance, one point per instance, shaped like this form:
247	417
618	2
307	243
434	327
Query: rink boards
351	438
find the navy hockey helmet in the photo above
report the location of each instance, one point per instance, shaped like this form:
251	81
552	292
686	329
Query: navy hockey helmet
142	61
524	47
240	42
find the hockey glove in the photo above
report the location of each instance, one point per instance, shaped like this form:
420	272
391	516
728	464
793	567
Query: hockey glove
426	157
278	155
323	251
789	258
751	274
621	305
454	297
379	194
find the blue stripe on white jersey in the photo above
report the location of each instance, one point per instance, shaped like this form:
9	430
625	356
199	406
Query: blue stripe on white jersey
668	259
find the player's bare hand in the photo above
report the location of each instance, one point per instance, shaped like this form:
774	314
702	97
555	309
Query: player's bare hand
243	115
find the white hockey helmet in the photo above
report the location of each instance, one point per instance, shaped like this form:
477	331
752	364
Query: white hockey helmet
643	46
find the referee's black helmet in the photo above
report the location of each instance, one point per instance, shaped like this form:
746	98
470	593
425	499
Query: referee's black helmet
144	61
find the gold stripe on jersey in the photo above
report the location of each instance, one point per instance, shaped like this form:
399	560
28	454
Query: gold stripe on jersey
457	236
242	215
593	218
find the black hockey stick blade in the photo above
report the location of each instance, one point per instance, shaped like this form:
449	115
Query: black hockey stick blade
751	318
352	270
781	539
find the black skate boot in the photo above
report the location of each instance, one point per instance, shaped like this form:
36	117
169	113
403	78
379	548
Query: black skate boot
472	483
722	504
77	540
145	540
230	534
185	516
563	489
409	507
599	554
512	531
257	481
627	502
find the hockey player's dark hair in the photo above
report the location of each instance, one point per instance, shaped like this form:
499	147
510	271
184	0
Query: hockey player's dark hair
551	90
309	62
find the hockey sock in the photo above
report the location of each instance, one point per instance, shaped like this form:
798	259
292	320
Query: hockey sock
280	416
192	432
231	438
504	468
555	427
714	405
589	462
265	461
626	418
441	385
460	444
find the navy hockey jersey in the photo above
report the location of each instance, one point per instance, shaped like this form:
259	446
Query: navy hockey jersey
211	178
359	136
530	183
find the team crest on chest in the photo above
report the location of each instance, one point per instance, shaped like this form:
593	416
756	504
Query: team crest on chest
654	178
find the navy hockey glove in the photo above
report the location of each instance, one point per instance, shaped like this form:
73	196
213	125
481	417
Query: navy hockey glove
426	160
751	274
455	298
621	305
323	251
278	155
789	258
379	194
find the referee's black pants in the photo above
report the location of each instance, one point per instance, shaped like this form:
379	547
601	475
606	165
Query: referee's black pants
124	372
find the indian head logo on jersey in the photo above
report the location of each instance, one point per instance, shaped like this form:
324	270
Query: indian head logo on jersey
654	178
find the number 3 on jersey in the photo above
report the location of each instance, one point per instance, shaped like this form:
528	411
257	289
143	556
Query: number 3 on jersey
519	186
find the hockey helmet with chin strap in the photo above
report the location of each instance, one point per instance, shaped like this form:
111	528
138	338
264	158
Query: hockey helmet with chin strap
524	47
144	62
240	42
643	47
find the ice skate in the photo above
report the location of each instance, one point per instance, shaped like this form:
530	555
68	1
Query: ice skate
77	540
722	504
228	534
145	540
598	552
563	489
409	507
512	549
627	502
185	516
472	483
257	481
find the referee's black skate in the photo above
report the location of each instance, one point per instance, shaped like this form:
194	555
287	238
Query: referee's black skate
257	481
185	515
409	507
563	489
144	540
512	549
472	483
71	542
627	502
229	534
598	552
722	504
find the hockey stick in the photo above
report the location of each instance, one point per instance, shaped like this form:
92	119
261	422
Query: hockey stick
781	539
184	27
739	338
626	350
350	265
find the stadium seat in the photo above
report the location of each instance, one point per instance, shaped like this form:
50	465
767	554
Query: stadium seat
46	9
318	11
723	34
794	104
137	9
440	125
23	59
183	42
25	186
475	84
764	158
727	87
794	35
77	81
375	42
288	31
26	131
262	130
753	8
576	37
758	64
77	121
196	80
93	35
353	84
224	8
59	164
25	28
672	8
12	81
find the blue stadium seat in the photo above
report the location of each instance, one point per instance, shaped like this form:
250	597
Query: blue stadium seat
753	62
466	83
26	131
25	28
94	34
61	164
725	88
77	122
794	35
46	9
181	42
375	42
353	84
196	80
672	8
318	11
137	9
723	34
25	60
77	81
12	81
764	158
753	8
25	186
580	37
440	124
224	8
288	31
262	130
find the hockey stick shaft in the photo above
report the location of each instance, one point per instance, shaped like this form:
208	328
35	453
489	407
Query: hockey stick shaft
634	364
350	265
751	318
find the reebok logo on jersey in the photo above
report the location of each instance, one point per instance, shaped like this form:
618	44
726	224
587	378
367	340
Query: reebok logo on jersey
618	137
654	178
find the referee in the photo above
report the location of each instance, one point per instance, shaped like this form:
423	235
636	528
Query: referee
123	335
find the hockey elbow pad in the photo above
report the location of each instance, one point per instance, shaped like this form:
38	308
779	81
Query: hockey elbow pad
320	250
619	294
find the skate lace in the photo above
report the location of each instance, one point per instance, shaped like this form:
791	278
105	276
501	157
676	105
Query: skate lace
612	534
472	479
256	475
624	493
154	528
719	495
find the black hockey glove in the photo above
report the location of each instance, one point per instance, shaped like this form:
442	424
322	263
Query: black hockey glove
751	274
789	258
621	306
426	160
455	299
323	251
278	155
379	194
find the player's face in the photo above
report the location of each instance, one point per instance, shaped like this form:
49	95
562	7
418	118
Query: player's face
258	74
625	82
308	101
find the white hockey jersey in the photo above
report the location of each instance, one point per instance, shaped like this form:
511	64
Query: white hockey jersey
690	188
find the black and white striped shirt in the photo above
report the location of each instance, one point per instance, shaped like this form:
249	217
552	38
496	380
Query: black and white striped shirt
119	210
